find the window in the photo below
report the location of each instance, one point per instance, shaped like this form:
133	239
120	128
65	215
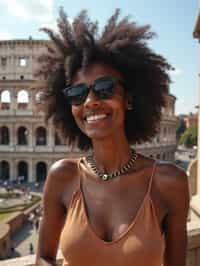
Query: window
41	136
4	170
5	100
4	136
23	171
22	96
22	99
3	61
22	136
23	61
39	97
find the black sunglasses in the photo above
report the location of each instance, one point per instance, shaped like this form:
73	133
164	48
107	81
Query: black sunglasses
103	88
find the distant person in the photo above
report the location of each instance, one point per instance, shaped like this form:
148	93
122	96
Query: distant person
31	218
12	248
31	248
36	184
36	224
114	206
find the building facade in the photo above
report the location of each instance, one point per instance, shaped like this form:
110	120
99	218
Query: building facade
27	146
191	120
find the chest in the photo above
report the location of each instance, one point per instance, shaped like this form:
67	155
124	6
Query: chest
112	209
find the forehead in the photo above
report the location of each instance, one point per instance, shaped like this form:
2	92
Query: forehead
94	71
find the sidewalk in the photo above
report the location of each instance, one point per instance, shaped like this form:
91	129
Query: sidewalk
22	240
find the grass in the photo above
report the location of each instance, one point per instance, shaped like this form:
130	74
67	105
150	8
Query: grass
4	215
18	207
8	195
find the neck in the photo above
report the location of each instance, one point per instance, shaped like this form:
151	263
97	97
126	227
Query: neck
111	155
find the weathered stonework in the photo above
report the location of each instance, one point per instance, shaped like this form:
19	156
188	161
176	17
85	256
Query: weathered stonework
22	152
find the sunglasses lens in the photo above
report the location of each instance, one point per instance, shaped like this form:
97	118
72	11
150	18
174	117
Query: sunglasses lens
104	88
76	95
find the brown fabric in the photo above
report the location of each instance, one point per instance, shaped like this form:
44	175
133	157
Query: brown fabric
140	245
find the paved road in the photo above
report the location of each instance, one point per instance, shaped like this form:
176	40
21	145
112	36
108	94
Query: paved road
183	158
27	234
22	240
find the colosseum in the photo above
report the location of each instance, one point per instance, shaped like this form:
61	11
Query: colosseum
27	146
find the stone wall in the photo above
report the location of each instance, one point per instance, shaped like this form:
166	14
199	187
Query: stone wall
10	226
5	243
192	173
193	252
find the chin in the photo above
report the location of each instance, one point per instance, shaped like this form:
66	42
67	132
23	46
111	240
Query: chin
96	135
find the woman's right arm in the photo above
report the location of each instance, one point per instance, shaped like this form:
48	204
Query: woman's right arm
54	214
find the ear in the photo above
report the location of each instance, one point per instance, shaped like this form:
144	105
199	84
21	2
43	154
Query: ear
129	102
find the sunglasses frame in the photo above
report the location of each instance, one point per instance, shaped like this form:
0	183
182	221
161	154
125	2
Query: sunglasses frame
92	88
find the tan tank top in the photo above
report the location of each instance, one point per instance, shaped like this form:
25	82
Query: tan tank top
141	244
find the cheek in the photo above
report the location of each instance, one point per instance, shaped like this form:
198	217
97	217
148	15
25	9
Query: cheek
76	113
119	108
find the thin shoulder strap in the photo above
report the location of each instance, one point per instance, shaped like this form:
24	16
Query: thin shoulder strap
77	190
152	175
80	175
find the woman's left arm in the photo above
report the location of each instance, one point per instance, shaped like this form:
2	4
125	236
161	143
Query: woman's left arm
175	224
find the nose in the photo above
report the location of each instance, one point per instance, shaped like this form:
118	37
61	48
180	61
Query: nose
91	100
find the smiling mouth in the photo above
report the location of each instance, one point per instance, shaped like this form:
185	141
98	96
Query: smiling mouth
95	118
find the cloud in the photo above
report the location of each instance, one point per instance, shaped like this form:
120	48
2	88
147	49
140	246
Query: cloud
176	72
30	9
5	36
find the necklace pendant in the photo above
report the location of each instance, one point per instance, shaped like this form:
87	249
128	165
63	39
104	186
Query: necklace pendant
104	177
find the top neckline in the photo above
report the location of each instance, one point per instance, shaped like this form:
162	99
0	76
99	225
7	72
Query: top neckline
133	222
123	234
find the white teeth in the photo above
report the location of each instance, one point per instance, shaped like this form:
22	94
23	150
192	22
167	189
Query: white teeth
93	118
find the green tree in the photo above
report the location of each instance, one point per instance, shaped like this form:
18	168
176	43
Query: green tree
189	137
180	127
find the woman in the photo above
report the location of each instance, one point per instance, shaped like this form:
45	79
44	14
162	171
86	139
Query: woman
114	206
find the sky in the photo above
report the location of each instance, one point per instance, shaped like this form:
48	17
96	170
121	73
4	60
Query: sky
173	21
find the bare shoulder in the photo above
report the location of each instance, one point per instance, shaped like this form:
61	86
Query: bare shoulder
63	170
172	182
171	174
61	178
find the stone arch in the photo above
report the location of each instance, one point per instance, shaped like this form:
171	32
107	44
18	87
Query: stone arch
22	136
4	170
39	96
22	99
41	136
5	100
41	171
164	131
158	156
4	135
38	101
22	171
164	156
58	140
